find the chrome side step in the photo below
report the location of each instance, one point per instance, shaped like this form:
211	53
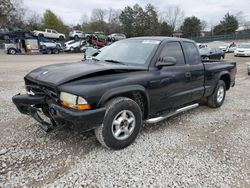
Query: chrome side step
160	118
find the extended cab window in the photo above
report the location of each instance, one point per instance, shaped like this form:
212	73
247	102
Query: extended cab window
173	49
193	55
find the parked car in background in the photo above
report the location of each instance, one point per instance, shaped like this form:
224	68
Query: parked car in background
76	34
73	45
16	33
201	45
117	36
212	53
49	33
242	50
228	48
50	43
100	36
248	68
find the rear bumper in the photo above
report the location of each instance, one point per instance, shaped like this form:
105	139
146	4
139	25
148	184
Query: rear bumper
87	120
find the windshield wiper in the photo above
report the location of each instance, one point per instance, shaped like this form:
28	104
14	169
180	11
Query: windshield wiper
114	61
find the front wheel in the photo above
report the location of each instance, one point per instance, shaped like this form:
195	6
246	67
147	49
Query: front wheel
12	51
121	124
218	97
61	37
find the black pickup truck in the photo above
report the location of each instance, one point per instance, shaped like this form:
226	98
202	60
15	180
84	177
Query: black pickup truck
144	79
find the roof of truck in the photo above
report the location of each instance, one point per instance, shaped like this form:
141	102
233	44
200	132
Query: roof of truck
161	38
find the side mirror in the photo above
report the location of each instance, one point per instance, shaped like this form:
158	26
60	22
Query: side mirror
166	61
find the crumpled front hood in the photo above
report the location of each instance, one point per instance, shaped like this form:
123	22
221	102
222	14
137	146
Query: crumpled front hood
57	74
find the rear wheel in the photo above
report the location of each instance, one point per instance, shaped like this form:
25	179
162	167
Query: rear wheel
55	51
218	97
121	124
72	49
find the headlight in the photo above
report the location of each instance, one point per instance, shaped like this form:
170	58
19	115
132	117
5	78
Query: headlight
72	101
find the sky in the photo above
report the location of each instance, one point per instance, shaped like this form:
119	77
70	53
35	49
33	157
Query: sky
211	11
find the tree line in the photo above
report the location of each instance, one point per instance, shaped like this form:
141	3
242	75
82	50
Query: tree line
132	21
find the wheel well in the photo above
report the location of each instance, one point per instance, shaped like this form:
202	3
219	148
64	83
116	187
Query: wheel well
226	79
139	98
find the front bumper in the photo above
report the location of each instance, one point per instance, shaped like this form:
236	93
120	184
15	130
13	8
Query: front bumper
59	115
244	54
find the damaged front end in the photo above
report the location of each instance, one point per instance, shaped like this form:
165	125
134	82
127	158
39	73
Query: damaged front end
36	103
42	103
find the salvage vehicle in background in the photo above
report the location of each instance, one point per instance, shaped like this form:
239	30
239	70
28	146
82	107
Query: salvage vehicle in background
100	36
73	45
228	48
212	53
49	33
117	36
16	33
242	50
133	80
248	68
202	45
76	35
50	43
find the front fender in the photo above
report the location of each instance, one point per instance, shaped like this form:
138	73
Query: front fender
119	91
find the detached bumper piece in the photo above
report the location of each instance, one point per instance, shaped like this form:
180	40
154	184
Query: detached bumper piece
26	104
58	115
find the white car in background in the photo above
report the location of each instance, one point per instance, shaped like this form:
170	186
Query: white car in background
228	48
76	34
49	43
242	50
73	45
49	33
248	68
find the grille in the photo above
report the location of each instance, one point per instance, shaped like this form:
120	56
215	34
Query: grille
39	89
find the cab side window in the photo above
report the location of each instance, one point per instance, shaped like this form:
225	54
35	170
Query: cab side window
173	49
193	55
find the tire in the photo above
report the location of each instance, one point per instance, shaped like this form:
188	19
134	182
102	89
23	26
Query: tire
55	51
40	35
71	49
12	51
218	97
61	37
76	37
122	133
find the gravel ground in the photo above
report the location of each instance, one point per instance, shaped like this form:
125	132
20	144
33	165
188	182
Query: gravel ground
201	148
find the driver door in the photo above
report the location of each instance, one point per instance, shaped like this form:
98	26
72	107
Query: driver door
171	83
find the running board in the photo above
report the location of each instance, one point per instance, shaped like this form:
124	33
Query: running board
163	117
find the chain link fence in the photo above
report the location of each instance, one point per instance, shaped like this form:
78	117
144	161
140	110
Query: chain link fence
239	36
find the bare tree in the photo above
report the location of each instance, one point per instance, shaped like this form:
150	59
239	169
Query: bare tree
174	16
84	18
204	25
98	15
113	16
33	20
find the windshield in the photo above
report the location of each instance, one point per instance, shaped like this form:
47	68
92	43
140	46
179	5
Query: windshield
134	52
244	46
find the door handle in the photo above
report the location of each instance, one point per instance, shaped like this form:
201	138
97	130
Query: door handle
188	74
